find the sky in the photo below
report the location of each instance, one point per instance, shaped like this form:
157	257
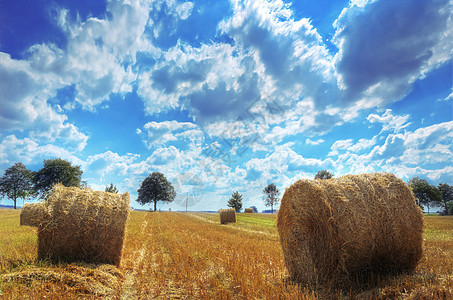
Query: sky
223	96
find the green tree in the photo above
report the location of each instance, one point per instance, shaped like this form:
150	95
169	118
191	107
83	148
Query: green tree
425	193
235	201
17	182
447	196
270	196
111	189
323	174
155	188
56	171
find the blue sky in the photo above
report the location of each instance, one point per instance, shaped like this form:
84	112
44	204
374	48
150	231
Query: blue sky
227	95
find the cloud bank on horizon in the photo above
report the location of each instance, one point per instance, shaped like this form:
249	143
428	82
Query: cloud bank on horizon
228	96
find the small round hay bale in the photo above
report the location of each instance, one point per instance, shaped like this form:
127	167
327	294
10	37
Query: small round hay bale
32	214
332	231
248	210
83	225
227	216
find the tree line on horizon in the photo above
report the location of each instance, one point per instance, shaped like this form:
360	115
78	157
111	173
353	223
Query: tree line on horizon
18	182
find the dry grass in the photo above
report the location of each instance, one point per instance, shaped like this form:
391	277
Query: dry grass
192	256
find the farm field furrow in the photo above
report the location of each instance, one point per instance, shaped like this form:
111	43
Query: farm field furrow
170	255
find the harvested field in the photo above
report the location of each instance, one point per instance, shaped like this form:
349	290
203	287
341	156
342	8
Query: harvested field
191	256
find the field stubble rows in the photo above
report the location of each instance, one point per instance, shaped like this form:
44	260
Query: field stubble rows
191	256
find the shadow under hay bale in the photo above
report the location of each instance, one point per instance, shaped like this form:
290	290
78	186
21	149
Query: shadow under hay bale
227	216
248	210
335	231
83	225
33	214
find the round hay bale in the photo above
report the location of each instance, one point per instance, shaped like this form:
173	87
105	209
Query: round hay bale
83	225
335	230
248	210
32	214
227	216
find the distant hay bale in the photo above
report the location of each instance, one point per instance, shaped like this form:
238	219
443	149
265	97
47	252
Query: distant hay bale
248	210
337	230
32	214
227	216
83	225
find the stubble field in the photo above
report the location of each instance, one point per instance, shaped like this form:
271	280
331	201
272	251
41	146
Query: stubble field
173	255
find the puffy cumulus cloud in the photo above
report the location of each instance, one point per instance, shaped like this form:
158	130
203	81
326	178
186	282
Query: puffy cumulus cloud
294	61
99	53
389	121
156	134
283	162
270	56
24	108
28	151
164	19
429	145
384	46
423	152
213	82
108	163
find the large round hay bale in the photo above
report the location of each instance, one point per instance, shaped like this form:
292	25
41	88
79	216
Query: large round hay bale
248	210
32	214
83	225
227	216
350	227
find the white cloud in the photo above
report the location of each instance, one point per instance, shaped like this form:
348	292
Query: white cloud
409	39
423	152
184	10
157	134
27	151
389	121
314	142
340	145
24	107
449	97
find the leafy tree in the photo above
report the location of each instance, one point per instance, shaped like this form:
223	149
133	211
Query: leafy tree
56	171
425	193
323	174
449	208
17	183
270	196
111	189
447	196
155	188
235	201
255	210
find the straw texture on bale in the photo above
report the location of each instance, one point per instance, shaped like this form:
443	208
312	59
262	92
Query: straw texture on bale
227	216
32	214
83	225
349	227
248	210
